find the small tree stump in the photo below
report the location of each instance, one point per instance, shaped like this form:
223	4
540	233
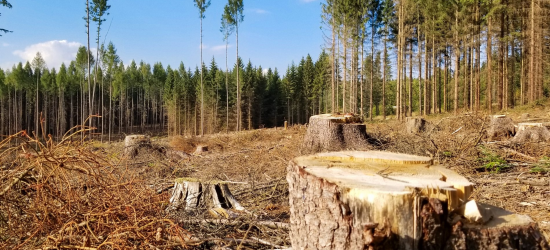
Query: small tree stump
192	194
531	132
201	149
132	143
415	125
500	127
382	200
331	132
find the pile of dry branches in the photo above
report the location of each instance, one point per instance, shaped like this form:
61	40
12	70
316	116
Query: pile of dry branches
62	195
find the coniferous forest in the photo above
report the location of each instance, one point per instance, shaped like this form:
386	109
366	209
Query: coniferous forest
380	58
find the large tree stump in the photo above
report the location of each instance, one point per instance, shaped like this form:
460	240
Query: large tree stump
132	143
191	194
415	125
331	132
500	127
531	132
382	200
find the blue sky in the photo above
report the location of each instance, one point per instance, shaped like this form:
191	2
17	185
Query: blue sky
274	32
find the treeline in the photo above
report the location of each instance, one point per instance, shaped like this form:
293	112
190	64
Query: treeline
140	97
446	56
449	55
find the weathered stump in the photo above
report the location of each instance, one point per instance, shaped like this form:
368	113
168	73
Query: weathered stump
500	127
132	143
531	132
382	200
415	125
331	132
191	194
201	149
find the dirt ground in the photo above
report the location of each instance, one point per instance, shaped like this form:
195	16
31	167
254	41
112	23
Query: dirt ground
130	208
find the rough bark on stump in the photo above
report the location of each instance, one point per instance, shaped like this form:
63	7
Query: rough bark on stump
191	194
201	149
415	125
500	127
531	132
330	132
132	143
382	200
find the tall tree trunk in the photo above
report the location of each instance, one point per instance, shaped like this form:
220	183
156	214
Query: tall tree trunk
500	87
239	120
202	88
384	75
371	72
434	82
226	91
409	110
420	111
457	61
478	56
531	85
489	53
345	70
426	77
332	70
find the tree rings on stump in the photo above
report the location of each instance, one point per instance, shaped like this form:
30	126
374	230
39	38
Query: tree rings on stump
331	132
381	200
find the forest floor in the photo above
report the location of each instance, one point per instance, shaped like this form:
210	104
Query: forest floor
515	177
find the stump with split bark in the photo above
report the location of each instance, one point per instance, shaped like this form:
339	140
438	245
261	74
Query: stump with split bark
191	194
330	132
382	200
415	125
500	127
531	132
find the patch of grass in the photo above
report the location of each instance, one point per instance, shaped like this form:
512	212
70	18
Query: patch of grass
491	161
542	167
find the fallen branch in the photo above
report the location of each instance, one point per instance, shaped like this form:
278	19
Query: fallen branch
270	224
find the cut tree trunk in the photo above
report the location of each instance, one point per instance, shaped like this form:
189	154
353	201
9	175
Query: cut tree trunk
500	127
531	132
383	200
332	132
191	194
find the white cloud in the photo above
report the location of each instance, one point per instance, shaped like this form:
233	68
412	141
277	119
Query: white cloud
261	11
219	47
5	44
264	71
54	52
308	1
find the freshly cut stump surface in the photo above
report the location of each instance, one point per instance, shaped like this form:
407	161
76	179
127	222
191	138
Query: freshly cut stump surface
383	200
332	132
